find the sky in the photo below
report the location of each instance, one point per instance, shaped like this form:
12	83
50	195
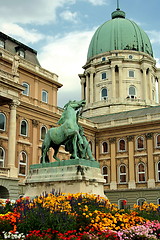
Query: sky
61	30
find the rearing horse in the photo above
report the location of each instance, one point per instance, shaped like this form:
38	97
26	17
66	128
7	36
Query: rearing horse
68	130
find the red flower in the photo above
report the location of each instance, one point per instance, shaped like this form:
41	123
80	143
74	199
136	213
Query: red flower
124	202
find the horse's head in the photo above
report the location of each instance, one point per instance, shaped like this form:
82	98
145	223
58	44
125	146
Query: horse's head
76	104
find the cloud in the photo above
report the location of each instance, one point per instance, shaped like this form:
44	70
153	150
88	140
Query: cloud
69	16
98	2
27	36
31	11
65	56
154	36
157	62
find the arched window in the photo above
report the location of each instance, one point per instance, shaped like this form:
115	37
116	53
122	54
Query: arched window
140	143
122	174
116	69
43	132
2	122
122	145
158	201
22	163
105	173
104	93
2	157
26	90
104	147
122	203
24	128
158	141
140	201
141	172
44	96
132	91
4	193
158	171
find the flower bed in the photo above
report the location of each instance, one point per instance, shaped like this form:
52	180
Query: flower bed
76	217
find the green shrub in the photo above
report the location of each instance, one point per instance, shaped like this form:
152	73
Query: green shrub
42	218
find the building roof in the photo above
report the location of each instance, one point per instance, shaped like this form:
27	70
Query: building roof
13	46
126	114
119	33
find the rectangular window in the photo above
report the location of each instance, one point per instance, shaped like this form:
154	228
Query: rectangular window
131	74
104	75
44	96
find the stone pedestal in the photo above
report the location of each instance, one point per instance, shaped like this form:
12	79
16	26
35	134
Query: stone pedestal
68	176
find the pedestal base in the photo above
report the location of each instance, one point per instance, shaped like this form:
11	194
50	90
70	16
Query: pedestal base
70	176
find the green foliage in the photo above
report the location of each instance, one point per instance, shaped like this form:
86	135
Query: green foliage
5	226
40	218
150	215
8	207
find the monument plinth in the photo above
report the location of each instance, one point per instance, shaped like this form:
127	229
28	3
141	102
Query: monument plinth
80	174
68	176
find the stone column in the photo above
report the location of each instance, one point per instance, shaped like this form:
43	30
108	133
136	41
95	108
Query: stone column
87	89
113	184
151	177
120	83
35	142
131	169
12	139
91	88
82	88
144	86
150	86
113	84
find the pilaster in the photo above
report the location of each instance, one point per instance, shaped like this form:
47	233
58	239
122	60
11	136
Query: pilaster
113	83
120	83
151	178
87	89
91	88
82	88
144	85
113	184
12	139
35	148
131	170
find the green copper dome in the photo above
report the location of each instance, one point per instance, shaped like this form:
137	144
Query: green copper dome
119	33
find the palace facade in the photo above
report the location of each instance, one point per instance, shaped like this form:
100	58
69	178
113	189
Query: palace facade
121	118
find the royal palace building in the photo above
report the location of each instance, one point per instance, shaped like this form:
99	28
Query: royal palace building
121	118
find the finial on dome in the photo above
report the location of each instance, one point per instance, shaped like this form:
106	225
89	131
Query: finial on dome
118	13
118	5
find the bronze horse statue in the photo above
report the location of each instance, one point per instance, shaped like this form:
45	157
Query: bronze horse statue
67	131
